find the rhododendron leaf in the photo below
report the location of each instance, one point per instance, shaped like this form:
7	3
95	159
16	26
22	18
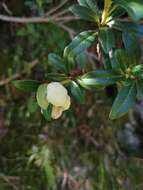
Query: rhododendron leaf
132	45
84	13
107	39
89	3
99	78
77	92
128	27
122	59
56	62
139	86
83	2
124	101
82	60
107	61
56	77
133	7
26	85
79	44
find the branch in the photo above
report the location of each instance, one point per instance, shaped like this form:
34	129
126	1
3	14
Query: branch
70	31
17	75
6	8
50	16
36	19
58	7
25	19
8	80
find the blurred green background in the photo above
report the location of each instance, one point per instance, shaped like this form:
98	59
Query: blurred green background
81	151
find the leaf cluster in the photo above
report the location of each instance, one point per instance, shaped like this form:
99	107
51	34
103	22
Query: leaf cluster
117	40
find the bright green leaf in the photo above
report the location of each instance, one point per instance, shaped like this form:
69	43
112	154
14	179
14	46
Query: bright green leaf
41	96
137	70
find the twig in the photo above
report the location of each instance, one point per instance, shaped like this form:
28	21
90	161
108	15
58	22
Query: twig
47	18
25	19
66	28
64	181
7	180
61	13
17	75
6	8
9	79
57	7
35	19
67	18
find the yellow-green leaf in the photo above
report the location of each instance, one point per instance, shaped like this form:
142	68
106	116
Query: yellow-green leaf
41	96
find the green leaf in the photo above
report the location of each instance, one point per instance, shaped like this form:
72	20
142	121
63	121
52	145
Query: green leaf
107	61
21	32
41	96
92	4
48	112
82	60
139	86
124	101
77	92
57	62
132	46
133	28
79	44
122	59
99	78
137	70
26	85
133	7
128	27
56	77
83	3
118	12
117	25
32	105
107	39
50	174
84	13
